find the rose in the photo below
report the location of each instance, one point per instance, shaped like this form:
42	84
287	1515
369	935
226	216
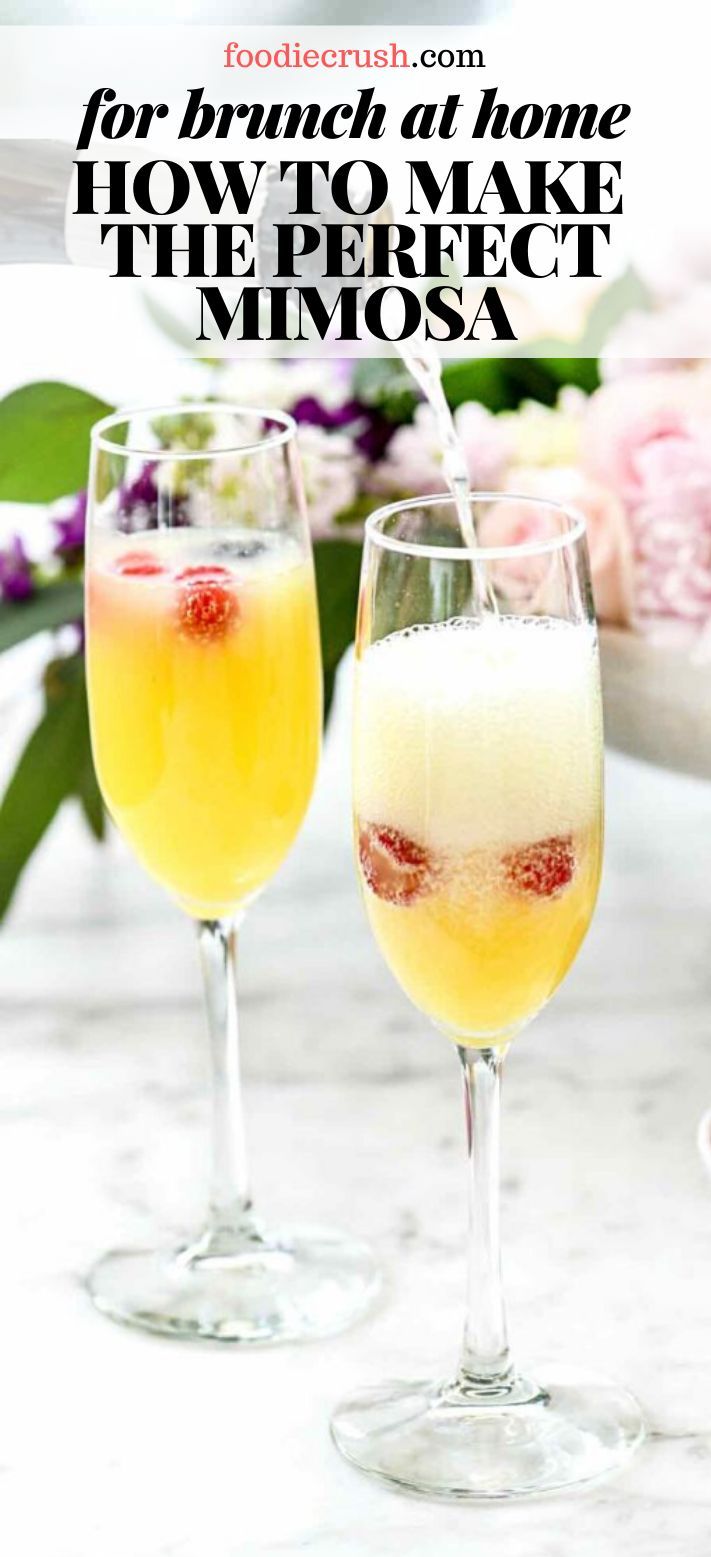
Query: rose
652	436
624	417
513	523
671	532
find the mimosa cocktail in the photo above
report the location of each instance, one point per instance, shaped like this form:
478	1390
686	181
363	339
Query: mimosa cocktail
479	812
478	829
205	689
204	680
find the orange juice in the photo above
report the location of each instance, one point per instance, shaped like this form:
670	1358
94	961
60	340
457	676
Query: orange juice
205	702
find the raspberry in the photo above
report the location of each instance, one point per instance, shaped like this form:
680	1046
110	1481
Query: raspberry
206	572
541	869
138	564
207	608
394	867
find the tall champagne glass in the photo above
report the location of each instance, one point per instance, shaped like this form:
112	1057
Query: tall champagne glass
478	827
205	702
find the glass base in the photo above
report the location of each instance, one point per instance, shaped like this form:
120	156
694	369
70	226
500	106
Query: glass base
439	1442
285	1286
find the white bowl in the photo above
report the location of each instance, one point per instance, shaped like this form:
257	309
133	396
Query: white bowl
657	702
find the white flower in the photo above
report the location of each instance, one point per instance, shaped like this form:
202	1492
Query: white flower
330	466
278	384
547	435
413	463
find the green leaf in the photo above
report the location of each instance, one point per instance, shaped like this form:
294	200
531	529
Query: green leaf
89	796
499	383
44	441
337	579
560	371
384	382
45	775
63	679
582	372
53	606
502	383
537	371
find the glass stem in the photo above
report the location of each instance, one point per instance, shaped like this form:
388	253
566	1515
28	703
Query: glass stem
485	1367
230	1200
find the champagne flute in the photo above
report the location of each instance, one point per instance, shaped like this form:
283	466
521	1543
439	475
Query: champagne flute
204	680
478	826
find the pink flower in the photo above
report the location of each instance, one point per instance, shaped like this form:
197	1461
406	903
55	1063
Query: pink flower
624	417
413	463
671	532
487	442
513	523
652	437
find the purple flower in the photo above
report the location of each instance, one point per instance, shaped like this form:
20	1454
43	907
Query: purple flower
141	493
16	578
142	505
374	435
71	530
310	409
369	429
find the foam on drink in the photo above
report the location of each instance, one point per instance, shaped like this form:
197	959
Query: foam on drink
470	735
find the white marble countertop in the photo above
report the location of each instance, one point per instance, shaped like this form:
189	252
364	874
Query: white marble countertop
114	1444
